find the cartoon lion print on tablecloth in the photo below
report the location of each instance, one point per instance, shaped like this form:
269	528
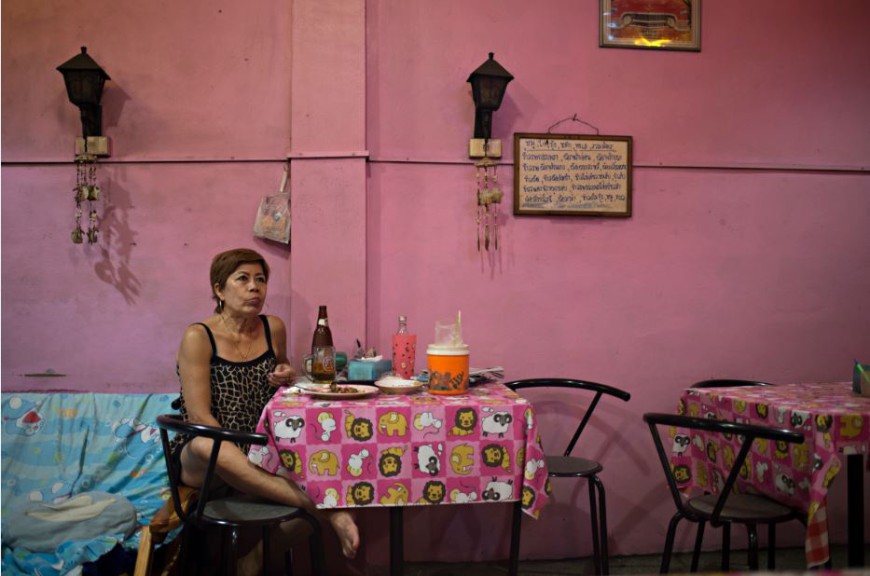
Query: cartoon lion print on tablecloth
465	422
390	462
358	428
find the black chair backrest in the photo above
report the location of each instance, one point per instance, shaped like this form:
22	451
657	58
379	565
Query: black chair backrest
599	390
745	433
174	423
722	383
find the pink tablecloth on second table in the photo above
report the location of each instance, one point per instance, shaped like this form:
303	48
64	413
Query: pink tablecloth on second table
406	450
834	420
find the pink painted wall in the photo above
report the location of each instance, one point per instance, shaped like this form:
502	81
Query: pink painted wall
746	255
198	137
328	176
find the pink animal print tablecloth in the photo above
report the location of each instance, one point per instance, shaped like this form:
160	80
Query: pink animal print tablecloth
834	421
406	450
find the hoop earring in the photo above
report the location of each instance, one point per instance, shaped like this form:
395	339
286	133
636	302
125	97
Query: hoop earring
220	305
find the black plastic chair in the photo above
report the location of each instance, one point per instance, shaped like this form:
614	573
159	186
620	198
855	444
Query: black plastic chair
231	513
568	466
722	383
727	507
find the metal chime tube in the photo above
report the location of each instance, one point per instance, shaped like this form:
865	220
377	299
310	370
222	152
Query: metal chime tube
488	196
86	190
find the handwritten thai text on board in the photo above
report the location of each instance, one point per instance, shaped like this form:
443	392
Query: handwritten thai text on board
569	174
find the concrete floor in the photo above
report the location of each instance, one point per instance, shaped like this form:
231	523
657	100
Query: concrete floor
787	560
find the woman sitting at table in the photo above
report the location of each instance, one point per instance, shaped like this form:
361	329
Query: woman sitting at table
229	366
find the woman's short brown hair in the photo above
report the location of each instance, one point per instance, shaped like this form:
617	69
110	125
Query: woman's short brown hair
228	262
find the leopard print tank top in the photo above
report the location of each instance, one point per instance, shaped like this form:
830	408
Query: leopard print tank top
239	390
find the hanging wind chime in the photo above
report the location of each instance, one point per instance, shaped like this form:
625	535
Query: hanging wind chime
84	80
87	192
488	198
488	84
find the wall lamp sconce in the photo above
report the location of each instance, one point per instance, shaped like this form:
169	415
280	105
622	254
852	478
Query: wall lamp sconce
84	81
488	86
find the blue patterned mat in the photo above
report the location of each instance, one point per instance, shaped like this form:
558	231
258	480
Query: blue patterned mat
57	445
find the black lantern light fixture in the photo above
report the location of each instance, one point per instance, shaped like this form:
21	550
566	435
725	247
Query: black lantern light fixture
84	81
488	86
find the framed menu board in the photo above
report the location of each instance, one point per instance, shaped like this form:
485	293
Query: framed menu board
572	175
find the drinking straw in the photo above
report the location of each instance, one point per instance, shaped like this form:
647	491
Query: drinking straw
863	372
457	333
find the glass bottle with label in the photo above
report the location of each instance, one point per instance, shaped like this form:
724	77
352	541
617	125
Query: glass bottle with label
404	350
322	350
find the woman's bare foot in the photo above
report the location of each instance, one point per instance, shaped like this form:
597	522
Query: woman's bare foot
348	533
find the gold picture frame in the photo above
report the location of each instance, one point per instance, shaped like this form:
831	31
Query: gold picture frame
651	24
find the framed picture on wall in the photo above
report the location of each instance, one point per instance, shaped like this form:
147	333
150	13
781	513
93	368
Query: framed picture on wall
651	24
572	175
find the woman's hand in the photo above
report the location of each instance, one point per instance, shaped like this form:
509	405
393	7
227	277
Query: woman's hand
282	376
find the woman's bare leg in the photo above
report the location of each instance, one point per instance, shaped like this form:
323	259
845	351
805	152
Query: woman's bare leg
234	468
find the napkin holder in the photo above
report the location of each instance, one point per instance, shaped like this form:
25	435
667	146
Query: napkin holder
368	369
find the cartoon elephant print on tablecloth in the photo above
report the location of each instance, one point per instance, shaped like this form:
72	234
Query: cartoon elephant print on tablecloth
323	463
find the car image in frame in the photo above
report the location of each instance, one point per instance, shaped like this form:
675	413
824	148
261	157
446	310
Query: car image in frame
673	24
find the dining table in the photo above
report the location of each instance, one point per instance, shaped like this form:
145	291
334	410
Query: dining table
369	448
835	422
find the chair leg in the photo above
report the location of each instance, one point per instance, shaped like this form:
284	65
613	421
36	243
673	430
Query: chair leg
604	561
593	517
194	543
144	557
699	539
231	555
266	556
287	557
771	546
516	527
726	546
201	549
315	547
752	532
185	545
669	543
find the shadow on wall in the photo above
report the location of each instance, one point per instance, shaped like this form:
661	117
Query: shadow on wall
117	244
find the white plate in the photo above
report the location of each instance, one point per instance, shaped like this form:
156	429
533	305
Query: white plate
345	391
398	386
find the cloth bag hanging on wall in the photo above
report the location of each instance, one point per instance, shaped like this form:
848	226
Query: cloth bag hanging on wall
273	216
